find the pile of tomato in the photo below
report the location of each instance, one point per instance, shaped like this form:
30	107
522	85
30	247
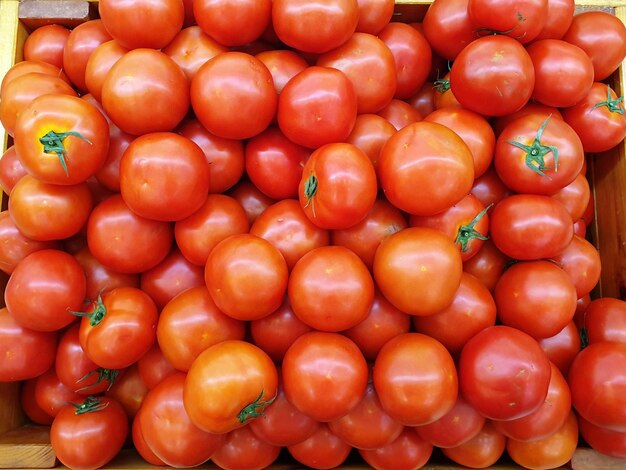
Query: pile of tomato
237	228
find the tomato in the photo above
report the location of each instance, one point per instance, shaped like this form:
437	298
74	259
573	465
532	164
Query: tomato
489	188
167	429
424	99
605	320
23	89
253	201
140	445
142	23
125	242
443	96
320	364
400	114
11	170
102	419
374	15
563	347
99	277
274	163
487	265
448	28
109	173
51	394
412	56
118	327
323	449
46	44
418	270
598	119
318	106
482	451
473	129
286	226
493	75
82	41
76	371
529	226
241	381
243	450
581	261
99	64
190	323
24	353
471	310
425	168
233	23
367	426
282	424
369	64
575	197
563	72
233	95
549	452
407	452
330	289
283	65
154	367
558	20
314	26
156	100
27	66
370	133
602	440
382	323
129	390
503	373
47	277
603	37
30	407
522	21
191	48
596	380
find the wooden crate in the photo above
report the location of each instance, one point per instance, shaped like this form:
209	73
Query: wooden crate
28	447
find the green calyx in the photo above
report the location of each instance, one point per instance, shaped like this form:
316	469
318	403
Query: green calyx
536	152
90	405
468	232
441	85
310	190
613	105
53	143
103	374
254	409
95	317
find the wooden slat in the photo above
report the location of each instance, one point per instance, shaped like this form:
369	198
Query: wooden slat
68	13
12	37
589	459
11	415
27	447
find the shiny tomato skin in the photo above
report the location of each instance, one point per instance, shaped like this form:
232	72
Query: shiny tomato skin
283	65
51	394
559	19
82	41
140	443
487	265
407	452
400	114
30	407
605	320
154	367
448	28
522	20
323	449
129	390
503	373
11	170
482	451
563	347
191	48
581	261
100	62
28	66
370	132
253	201
575	197
240	379
46	44
244	450
602	440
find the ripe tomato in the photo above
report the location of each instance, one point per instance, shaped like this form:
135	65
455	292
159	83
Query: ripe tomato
283	65
314	26
46	44
323	449
244	450
142	23
318	106
167	429
407	452
11	170
487	265
190	323
605	320
324	364
493	75
47	277
82	41
125	242
374	15
103	419
24	353
448	28
581	261
238	379
563	347
191	48
233	23
370	133
503	373
530	226
159	187
482	451
575	197
418	270
233	95
100	278
154	367
129	390
27	66
253	201
489	188
51	394
425	168
156	100
558	20
604	441
400	114
99	64
30	407
118	327
522	21
140	445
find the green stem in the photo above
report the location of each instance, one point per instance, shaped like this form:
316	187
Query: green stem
536	152
614	105
98	314
53	143
90	405
254	409
310	190
103	374
468	232
442	85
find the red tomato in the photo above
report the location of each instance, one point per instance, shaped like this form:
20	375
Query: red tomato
11	170
425	168
418	270
500	122
503	373
482	451
283	65
24	353
46	44
100	278
581	261
47	277
493	75
119	327
154	367
169	432
27	66
424	99
241	381
253	201
99	64
575	197
142	23
314	26
489	188
125	242
407	452
448	28
233	95
597	379
244	450
191	323
563	347
318	106
374	15
156	100
324	364
30	407
443	96
51	394
412	56
603	37
323	449
82	41
129	391
487	265
191	48
400	114
233	23
103	419
140	444
605	320
109	174
522	21
602	440
370	133
529	226
558	19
